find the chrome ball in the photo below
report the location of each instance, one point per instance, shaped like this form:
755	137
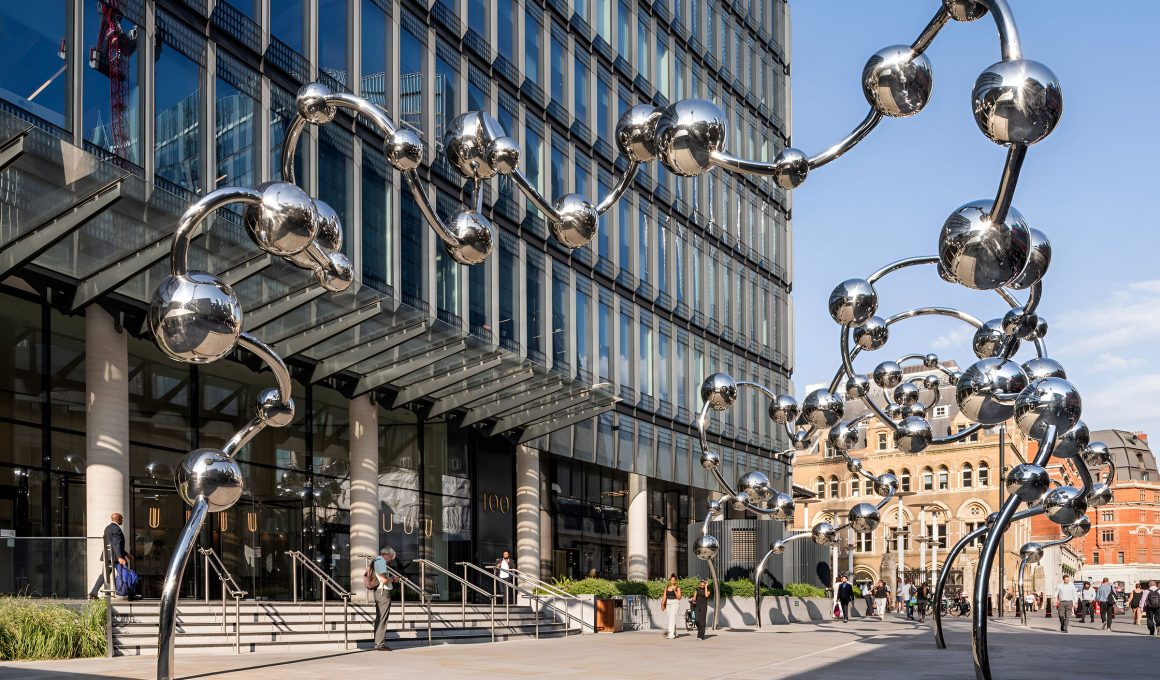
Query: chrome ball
272	410
854	465
801	440
503	155
1074	442
912	435
843	436
285	222
976	390
195	318
1019	324
1050	401
755	484
578	220
857	386
475	235
964	10
782	507
687	133
1096	454
980	253
853	302
872	335
931	382
906	393
311	103
893	410
329	234
915	409
824	533
741	501
715	507
822	409
777	547
1043	367
1027	481
783	410
338	276
466	142
1079	528
887	374
863	517
405	149
1031	552
1064	505
1100	495
896	81
991	519
791	167
210	474
1037	262
1017	101
930	361
719	390
1040	330
885	484
636	133
988	341
710	460
706	547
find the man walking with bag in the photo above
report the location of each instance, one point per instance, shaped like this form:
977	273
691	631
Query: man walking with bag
1106	596
113	552
377	580
1150	603
1065	602
844	596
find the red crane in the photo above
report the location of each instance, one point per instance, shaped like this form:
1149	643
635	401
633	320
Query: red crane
111	57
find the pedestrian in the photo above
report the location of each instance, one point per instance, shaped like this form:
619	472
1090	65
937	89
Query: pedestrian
868	595
381	583
844	597
922	600
505	570
1135	604
671	604
1029	602
1106	596
1087	601
113	551
900	596
1064	601
1151	606
908	598
700	604
881	596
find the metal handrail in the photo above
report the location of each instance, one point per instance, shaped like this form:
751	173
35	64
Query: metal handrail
212	561
465	584
404	582
552	589
325	581
531	595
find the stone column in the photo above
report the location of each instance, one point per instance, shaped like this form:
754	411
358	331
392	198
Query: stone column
671	566
527	504
364	487
637	527
548	566
107	432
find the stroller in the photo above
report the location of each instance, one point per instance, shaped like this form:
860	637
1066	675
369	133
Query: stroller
690	619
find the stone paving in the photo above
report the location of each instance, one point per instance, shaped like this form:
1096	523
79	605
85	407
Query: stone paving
866	650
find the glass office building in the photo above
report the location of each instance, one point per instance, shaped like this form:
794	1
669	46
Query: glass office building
578	370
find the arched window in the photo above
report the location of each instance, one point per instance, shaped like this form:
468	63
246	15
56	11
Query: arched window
904	480
927	479
855	486
968	476
984	474
820	487
944	478
833	486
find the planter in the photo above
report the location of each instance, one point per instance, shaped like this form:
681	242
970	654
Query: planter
609	615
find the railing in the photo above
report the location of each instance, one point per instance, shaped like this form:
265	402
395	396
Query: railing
296	557
464	586
531	595
404	583
48	566
553	590
229	587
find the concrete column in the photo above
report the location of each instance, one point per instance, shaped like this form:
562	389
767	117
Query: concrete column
637	527
527	510
364	486
548	566
922	544
671	566
107	431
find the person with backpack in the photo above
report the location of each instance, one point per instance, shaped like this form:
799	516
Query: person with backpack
1106	596
377	579
922	600
1151	606
113	556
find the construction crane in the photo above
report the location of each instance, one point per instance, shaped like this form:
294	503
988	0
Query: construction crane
111	58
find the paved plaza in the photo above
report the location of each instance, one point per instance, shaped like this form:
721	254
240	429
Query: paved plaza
860	649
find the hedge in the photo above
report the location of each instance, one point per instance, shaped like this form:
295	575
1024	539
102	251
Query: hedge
653	589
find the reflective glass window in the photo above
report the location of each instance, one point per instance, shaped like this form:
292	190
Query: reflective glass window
377	248
583	333
580	91
556	68
533	290
411	77
177	103
533	47
509	284
411	227
235	123
332	40
505	29
374	53
477	11
644	372
288	24
559	319
112	89
604	322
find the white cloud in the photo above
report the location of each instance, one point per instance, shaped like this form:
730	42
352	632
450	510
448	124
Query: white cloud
1111	362
1127	318
1125	404
956	339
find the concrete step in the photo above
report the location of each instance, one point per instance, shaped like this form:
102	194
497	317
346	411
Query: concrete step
412	620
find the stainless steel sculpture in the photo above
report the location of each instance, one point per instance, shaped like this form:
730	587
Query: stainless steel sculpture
983	245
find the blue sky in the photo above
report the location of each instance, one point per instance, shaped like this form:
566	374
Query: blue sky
1091	187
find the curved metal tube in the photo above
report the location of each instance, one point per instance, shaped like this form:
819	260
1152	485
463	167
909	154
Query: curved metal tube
902	264
848	142
196	214
716	596
1022	603
533	194
272	360
757	584
167	626
727	161
924	39
622	186
957	436
1007	181
1008	32
441	229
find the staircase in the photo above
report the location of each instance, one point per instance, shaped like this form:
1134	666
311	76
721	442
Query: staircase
281	626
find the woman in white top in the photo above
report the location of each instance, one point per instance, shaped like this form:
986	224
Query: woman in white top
1087	602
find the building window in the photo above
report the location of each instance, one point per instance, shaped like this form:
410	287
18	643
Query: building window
927	479
904	480
177	103
477	11
505	36
968	475
827	450
833	487
533	46
1108	516
855	487
940	411
1120	557
556	68
820	487
984	474
509	283
559	319
971	527
943	478
1095	558
974	436
864	542
881	441
1108	535
939	533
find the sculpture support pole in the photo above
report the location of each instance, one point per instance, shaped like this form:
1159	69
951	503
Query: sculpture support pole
1021	604
716	596
167	626
942	582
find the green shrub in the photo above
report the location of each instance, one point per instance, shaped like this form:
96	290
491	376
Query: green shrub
804	590
31	630
655	588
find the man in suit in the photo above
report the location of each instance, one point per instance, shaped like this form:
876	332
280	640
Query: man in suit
845	597
114	548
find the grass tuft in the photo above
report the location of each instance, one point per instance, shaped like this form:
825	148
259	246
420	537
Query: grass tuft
35	630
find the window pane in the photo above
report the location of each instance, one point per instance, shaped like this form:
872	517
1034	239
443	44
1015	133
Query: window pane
533	47
374	53
376	239
411	77
477	11
583	307
411	228
508	285
580	92
605	330
534	290
235	113
177	100
505	29
112	96
332	40
287	24
559	320
34	73
334	172
556	66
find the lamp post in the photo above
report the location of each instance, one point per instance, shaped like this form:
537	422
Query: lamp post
899	537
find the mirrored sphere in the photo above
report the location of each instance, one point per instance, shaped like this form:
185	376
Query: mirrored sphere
503	155
980	253
964	10
1050	401
912	435
887	374
404	149
1064	505
853	302
719	390
329	234
710	460
1037	262
636	133
931	382
755	484
1031	552
715	507
272	410
1096	454
777	547
784	409
1040	330
1073	442
195	318
781	507
801	440
791	166
1043	367
210	474
741	501
1100	495
857	386
863	517
872	335
706	547
823	533
578	219
976	390
893	410
1079	528
822	408
854	465
906	393
687	133
916	409
930	361
466	141
843	436
896	81
475	235
1018	323
1017	101
885	484
284	222
1027	481
988	341
338	276
311	103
